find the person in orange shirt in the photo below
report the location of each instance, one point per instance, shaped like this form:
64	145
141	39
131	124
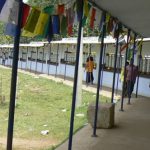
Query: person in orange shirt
89	70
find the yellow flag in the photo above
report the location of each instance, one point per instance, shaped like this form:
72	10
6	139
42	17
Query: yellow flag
41	24
86	8
107	17
140	44
32	20
27	34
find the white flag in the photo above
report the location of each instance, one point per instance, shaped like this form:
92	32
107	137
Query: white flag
9	13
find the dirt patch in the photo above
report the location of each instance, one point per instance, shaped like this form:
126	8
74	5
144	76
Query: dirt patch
24	144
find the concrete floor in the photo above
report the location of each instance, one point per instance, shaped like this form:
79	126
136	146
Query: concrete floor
132	130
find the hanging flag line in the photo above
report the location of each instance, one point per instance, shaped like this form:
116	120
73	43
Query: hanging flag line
43	23
100	8
53	20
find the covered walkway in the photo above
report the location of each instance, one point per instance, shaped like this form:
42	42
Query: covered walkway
132	131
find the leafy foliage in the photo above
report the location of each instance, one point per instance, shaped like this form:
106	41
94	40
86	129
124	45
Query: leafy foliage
3	38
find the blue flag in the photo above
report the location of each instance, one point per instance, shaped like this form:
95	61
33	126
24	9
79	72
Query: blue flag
10	29
2	2
56	24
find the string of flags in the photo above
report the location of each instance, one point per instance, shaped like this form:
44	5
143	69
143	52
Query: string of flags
50	21
43	23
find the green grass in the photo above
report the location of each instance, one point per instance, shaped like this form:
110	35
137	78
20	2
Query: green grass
40	102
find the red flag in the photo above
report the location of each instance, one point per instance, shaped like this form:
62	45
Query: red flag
60	9
70	27
123	47
26	9
92	18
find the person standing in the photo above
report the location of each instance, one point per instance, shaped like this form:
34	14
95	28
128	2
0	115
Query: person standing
122	80
131	74
89	70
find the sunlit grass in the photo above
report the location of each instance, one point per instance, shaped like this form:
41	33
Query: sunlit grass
42	104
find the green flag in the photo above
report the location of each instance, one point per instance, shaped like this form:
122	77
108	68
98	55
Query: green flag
63	26
49	10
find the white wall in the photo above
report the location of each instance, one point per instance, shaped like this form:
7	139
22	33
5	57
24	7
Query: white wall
107	76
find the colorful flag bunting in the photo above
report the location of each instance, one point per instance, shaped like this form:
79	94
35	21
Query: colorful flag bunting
56	24
32	20
61	9
41	24
9	12
92	19
2	2
26	9
87	7
11	29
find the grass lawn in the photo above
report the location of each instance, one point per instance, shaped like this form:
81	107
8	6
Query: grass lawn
39	107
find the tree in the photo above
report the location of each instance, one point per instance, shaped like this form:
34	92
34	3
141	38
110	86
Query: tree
4	39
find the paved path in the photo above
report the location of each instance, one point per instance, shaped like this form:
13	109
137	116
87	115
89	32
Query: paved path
132	131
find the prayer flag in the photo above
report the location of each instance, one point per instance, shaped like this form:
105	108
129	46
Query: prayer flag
9	12
41	24
92	19
2	2
10	29
70	15
107	17
49	10
86	12
32	20
61	9
87	7
27	34
101	21
50	30
56	24
123	47
63	26
110	25
140	44
129	55
84	21
26	9
70	28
